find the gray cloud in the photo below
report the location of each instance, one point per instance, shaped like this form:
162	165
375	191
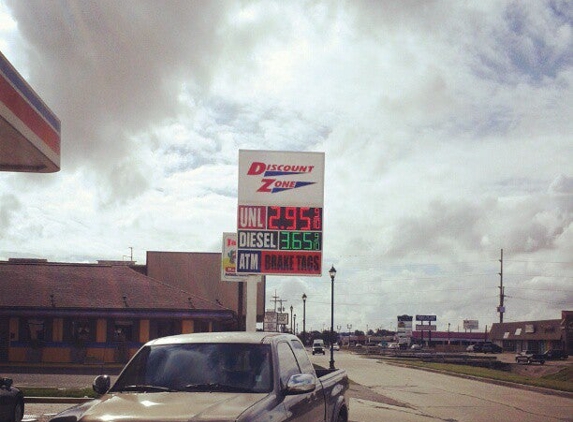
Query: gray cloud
109	69
9	206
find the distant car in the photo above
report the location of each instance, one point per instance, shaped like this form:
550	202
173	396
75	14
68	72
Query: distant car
335	346
11	402
393	346
318	347
416	346
488	347
529	357
476	348
555	354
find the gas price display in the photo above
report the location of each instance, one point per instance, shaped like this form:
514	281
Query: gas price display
280	239
300	241
294	218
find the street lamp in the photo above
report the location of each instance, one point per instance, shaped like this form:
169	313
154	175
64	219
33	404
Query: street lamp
291	319
294	321
332	273
304	319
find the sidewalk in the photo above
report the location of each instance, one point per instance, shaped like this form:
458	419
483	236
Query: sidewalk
59	368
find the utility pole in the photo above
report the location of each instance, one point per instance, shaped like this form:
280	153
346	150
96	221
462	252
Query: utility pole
501	308
275	299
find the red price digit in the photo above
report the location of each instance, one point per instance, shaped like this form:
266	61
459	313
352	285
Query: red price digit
304	219
290	217
274	217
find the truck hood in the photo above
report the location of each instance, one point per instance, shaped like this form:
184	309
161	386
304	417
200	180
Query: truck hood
171	406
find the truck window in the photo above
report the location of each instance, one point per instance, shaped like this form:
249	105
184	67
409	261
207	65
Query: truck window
288	365
190	367
303	361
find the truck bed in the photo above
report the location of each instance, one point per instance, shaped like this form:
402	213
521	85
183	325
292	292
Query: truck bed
334	385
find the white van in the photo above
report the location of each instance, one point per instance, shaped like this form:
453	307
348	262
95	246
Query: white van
318	346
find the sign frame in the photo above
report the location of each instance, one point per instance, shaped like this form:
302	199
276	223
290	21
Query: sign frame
280	213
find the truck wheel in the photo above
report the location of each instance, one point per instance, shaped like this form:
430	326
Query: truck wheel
18	412
340	417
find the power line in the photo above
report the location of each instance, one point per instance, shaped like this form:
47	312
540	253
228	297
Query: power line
539	262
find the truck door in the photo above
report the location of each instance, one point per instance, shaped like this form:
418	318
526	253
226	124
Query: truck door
302	407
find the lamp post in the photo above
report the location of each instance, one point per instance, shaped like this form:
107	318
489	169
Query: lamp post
294	321
332	273
291	319
304	319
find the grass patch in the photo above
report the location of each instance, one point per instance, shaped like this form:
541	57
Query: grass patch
565	375
561	381
58	392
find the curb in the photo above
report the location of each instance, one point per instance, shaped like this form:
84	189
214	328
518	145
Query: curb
542	390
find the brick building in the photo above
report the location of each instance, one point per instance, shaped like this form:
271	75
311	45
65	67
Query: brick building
538	336
68	312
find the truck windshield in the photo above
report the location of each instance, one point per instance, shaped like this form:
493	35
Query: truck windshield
222	367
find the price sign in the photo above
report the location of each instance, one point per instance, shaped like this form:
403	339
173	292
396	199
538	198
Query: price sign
279	221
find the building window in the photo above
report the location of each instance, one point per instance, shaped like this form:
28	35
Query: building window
201	326
164	328
36	331
123	331
82	331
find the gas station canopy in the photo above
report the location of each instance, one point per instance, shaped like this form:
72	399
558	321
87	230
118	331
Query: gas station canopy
29	130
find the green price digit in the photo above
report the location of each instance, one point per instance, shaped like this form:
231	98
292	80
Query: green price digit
285	241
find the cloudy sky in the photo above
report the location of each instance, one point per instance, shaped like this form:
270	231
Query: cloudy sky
446	126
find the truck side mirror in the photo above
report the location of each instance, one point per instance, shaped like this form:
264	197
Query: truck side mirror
101	384
6	382
300	384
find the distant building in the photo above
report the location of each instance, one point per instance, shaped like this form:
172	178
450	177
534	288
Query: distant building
68	312
443	338
538	336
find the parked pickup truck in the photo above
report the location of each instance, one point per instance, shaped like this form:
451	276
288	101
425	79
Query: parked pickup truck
528	357
556	354
218	377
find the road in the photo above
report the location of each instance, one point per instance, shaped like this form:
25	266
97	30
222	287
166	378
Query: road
389	393
412	395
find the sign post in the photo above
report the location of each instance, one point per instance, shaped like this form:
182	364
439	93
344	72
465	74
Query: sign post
429	327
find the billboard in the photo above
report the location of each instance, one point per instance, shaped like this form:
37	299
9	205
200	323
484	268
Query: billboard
421	327
425	318
404	329
280	211
471	324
